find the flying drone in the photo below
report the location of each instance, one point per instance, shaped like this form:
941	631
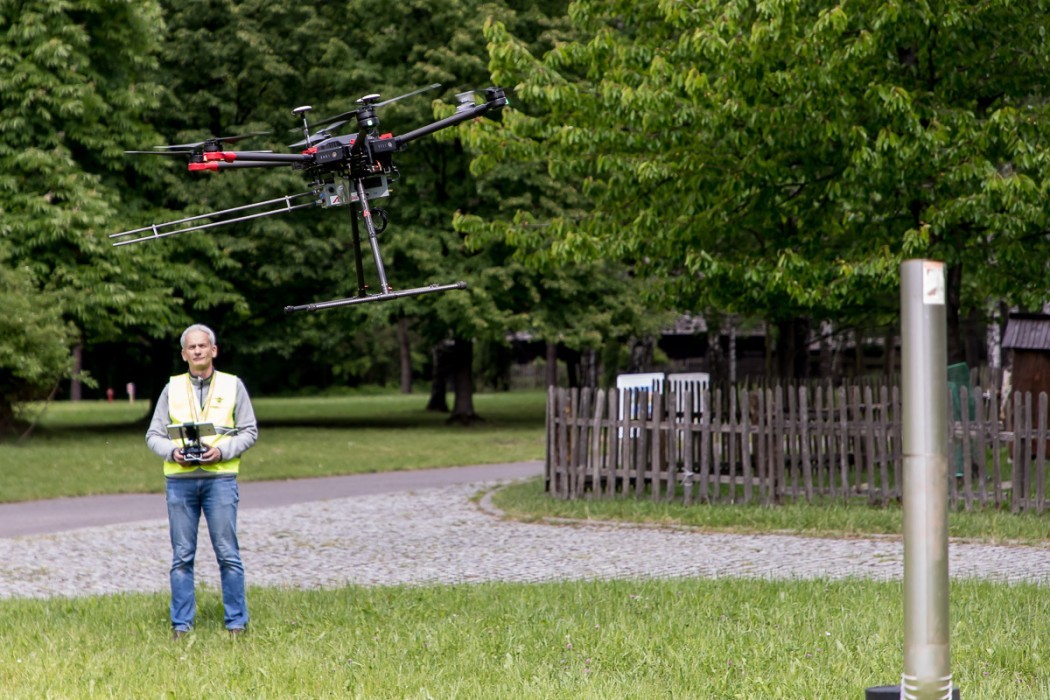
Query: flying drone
351	169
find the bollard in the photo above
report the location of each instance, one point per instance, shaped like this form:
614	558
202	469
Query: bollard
893	692
924	398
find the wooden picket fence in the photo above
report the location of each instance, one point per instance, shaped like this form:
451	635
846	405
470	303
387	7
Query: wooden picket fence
780	444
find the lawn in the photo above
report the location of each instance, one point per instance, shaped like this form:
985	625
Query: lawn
97	447
706	639
689	638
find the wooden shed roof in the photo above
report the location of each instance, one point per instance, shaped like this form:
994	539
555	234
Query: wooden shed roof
1028	332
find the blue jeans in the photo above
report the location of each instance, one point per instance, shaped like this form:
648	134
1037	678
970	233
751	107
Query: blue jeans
217	497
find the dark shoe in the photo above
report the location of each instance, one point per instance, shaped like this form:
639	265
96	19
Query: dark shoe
236	631
176	635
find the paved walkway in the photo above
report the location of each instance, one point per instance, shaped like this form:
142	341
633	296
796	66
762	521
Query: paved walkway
60	514
440	534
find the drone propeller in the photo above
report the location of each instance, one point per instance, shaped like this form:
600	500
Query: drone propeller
210	144
318	136
369	102
169	151
158	153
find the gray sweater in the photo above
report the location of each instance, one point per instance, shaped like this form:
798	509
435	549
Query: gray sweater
247	430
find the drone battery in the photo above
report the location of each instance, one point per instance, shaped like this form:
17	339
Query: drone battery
331	155
382	146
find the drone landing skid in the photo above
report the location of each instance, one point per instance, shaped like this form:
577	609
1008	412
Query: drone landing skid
387	296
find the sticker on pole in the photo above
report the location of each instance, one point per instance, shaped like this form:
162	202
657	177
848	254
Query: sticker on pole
932	282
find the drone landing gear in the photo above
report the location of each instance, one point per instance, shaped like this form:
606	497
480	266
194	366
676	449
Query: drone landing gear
387	296
386	293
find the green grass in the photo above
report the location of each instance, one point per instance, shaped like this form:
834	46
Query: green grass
96	447
690	638
623	639
528	501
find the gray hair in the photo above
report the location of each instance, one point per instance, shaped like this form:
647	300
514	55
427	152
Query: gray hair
197	327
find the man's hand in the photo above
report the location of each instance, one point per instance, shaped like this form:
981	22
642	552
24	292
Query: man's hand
212	456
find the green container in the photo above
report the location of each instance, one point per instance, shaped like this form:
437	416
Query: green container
958	377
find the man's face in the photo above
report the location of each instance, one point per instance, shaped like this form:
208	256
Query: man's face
199	353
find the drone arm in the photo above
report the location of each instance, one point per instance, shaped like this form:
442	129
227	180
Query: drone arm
256	156
221	165
496	100
224	160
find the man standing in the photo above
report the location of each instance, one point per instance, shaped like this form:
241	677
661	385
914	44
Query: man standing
206	482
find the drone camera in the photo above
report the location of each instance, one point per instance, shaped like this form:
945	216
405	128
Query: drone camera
338	193
333	195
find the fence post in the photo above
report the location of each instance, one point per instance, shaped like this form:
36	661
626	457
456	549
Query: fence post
597	459
1040	452
564	465
550	459
615	441
656	444
686	453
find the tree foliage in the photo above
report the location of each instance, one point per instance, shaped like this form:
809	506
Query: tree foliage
75	81
780	158
34	352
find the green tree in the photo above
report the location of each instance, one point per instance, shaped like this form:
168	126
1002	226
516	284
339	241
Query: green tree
74	85
579	307
34	352
779	159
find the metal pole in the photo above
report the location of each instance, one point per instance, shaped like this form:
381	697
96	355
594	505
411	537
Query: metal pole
373	242
924	394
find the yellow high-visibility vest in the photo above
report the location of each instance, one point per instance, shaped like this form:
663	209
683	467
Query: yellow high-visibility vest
184	407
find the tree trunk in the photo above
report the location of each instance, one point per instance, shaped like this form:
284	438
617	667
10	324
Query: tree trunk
826	355
406	355
552	364
9	427
461	370
161	368
890	348
76	387
972	334
641	359
956	341
590	367
714	356
769	346
793	348
858	353
572	366
439	381
731	352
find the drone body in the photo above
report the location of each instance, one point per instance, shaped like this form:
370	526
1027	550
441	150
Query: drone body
350	169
